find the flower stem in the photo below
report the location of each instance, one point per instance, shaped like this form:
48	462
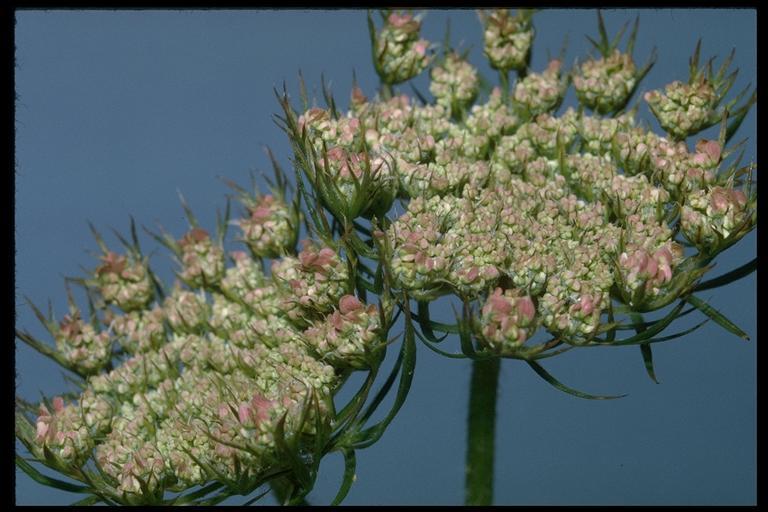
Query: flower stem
386	91
504	84
481	432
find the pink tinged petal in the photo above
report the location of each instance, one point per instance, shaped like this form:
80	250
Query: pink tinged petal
42	429
243	413
223	411
700	159
337	321
651	267
421	47
349	303
586	304
261	406
526	308
472	274
500	305
739	197
260	214
666	272
239	255
719	199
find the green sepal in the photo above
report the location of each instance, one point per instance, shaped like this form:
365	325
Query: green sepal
554	382
718	317
350	464
46	480
729	277
372	434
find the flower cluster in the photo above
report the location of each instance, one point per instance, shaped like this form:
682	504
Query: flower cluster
454	83
684	109
399	54
507	39
539	93
604	84
270	228
123	283
81	346
711	216
202	261
317	278
347	336
506	320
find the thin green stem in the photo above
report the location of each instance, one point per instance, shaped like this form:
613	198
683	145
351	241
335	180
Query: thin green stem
481	431
504	84
387	91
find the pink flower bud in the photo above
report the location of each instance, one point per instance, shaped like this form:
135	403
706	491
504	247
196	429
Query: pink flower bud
739	197
348	304
720	199
243	413
420	47
526	308
399	20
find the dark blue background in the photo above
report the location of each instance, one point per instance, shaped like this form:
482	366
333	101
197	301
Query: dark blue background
118	110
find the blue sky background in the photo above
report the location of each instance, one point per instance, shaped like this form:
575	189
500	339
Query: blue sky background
119	109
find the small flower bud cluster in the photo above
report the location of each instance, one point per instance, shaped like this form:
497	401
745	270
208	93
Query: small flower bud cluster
139	371
647	272
434	120
632	150
546	133
684	109
597	134
358	179
270	229
573	302
316	279
243	277
97	412
139	331
454	83
127	285
477	253
604	85
202	261
540	93
591	176
80	345
64	433
507	39
408	145
186	311
635	195
512	154
399	53
439	179
680	171
711	216
347	336
507	320
420	260
493	118
392	116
